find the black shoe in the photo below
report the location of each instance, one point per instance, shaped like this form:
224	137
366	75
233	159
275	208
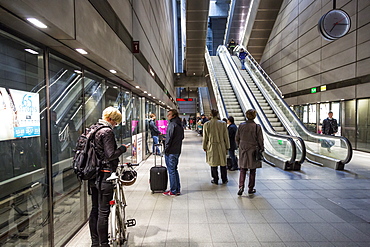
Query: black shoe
240	192
214	182
232	169
252	191
225	182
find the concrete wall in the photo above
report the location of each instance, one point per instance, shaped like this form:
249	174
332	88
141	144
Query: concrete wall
297	58
79	24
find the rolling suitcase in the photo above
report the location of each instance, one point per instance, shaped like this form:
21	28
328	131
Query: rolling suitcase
158	177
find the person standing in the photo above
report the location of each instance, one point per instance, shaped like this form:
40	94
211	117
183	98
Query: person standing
215	144
101	191
232	132
231	46
155	134
242	56
329	127
248	137
172	151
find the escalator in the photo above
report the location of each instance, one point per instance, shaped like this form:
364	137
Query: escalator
284	119
204	101
231	102
230	95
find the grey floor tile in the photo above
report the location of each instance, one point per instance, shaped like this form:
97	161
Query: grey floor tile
308	233
330	233
221	233
243	233
351	232
316	206
272	216
265	233
286	232
199	233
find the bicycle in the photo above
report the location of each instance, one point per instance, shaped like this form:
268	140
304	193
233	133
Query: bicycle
125	175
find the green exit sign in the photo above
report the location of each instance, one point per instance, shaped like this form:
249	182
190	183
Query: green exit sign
313	90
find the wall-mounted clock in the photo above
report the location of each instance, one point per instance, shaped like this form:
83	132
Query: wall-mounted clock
334	24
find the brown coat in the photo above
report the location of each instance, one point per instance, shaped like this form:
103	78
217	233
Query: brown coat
247	141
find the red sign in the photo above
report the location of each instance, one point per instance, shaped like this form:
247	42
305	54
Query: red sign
184	99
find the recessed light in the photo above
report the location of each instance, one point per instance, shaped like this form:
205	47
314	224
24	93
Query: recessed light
153	97
145	92
31	51
113	71
149	94
78	72
37	23
115	87
82	51
137	87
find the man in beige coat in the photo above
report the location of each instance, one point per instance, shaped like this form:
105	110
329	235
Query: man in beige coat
216	143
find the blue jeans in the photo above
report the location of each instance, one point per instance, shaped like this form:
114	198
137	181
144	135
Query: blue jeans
172	160
242	61
156	148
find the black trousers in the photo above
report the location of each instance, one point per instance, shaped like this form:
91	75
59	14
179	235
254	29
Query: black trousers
101	194
214	173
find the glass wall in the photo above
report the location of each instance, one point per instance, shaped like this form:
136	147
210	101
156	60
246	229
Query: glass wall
66	104
24	215
348	113
42	202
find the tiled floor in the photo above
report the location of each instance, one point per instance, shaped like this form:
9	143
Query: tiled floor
316	206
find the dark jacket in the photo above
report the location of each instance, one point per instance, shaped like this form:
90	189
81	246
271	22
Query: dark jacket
153	128
232	132
106	146
174	136
329	126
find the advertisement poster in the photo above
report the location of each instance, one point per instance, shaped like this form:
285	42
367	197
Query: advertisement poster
162	126
19	113
134	149
139	147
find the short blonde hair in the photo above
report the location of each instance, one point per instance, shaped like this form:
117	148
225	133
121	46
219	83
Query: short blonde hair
251	114
113	114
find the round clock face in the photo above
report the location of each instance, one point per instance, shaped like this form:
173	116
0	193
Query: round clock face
334	24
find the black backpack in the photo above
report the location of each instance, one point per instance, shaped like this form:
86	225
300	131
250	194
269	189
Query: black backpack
86	163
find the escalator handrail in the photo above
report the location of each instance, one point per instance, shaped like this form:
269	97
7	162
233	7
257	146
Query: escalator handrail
260	112
297	138
302	126
216	87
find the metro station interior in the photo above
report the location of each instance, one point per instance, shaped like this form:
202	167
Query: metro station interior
64	62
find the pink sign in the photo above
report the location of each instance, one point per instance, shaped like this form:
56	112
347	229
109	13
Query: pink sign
162	126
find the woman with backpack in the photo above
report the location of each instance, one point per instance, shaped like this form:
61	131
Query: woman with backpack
101	191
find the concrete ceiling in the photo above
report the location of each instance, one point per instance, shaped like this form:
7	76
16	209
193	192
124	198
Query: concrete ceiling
262	25
196	34
254	35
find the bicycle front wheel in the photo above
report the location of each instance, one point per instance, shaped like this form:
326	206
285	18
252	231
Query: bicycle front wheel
118	224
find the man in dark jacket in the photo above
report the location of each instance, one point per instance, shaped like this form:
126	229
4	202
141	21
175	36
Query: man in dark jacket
155	134
100	189
232	132
330	125
172	151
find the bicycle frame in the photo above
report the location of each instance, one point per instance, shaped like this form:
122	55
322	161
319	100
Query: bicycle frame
118	225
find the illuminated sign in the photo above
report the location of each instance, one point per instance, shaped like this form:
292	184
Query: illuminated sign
313	90
184	99
323	88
